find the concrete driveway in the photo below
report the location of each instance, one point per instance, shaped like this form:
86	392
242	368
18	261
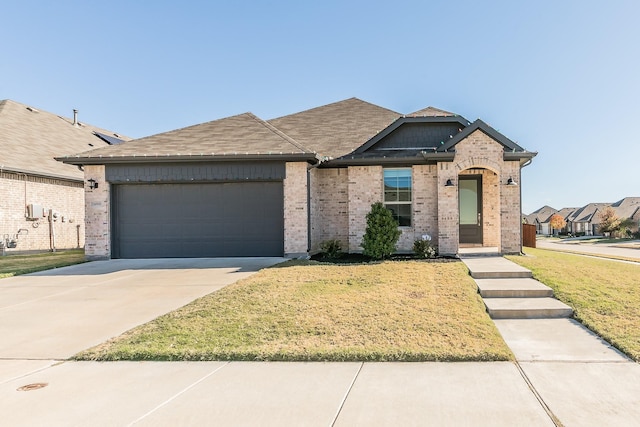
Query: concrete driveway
55	314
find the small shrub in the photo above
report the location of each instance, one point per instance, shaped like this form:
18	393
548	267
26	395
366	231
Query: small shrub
424	248
381	234
331	249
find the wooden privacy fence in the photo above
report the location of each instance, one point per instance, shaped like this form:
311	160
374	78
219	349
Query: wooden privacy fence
529	235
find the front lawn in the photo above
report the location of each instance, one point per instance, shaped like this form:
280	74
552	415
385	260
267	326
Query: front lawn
13	265
390	311
605	295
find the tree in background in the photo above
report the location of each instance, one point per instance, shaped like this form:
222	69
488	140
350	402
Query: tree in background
557	222
381	234
609	221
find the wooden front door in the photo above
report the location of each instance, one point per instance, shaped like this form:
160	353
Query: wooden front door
470	208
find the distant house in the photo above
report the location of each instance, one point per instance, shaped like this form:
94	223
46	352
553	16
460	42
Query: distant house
540	218
243	186
628	208
42	200
586	219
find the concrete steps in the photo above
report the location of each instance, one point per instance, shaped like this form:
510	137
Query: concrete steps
513	288
495	268
526	308
509	291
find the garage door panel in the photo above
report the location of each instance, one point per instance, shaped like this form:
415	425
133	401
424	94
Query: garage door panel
198	220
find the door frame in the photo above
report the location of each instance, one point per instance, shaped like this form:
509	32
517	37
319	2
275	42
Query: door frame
478	239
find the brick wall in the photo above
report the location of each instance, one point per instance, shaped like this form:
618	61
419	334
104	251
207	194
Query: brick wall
503	229
425	207
329	207
97	216
63	197
448	230
510	211
365	188
295	210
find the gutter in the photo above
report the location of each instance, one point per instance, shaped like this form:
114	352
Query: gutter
311	158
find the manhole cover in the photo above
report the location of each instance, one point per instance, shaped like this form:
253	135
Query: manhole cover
34	386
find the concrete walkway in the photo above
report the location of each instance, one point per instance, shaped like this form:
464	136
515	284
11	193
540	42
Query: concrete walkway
579	378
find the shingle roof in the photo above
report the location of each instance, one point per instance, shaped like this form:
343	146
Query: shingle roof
236	136
588	213
542	214
627	207
30	139
336	129
431	112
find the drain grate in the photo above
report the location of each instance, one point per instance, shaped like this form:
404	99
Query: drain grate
34	386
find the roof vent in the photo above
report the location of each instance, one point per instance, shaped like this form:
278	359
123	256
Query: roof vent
75	117
33	110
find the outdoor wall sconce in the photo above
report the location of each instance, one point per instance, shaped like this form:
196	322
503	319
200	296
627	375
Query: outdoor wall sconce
92	184
511	182
449	183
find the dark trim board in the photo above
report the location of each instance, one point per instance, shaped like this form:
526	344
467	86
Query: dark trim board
197	220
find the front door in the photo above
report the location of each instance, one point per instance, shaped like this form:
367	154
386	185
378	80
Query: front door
470	204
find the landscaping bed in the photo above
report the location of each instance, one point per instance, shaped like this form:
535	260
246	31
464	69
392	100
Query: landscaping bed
604	294
311	311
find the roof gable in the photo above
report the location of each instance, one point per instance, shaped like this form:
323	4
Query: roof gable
425	142
489	131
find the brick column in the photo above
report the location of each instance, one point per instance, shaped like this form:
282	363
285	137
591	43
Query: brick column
97	214
448	218
510	211
295	210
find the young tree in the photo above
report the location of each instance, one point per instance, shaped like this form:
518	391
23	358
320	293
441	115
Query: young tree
557	222
609	221
381	234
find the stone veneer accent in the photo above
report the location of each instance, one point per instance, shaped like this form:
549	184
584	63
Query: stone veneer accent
97	219
295	210
62	196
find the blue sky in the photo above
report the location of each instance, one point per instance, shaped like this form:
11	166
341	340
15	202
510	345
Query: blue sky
558	77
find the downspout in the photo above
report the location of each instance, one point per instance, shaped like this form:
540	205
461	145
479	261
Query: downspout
527	163
320	161
52	233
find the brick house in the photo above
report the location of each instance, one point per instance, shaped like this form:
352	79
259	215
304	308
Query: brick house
242	186
33	184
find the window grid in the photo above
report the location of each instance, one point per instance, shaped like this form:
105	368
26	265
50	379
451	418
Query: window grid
397	194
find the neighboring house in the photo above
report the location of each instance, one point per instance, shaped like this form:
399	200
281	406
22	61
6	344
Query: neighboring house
628	208
540	218
565	213
585	220
242	186
33	184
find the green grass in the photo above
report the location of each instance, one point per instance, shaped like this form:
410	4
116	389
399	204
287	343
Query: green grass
13	265
605	295
390	311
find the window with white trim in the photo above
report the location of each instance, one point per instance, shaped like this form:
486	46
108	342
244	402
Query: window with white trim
397	194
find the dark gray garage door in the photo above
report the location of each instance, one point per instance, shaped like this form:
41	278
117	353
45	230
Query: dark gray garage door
198	220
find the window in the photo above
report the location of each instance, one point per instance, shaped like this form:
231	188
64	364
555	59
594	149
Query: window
397	194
